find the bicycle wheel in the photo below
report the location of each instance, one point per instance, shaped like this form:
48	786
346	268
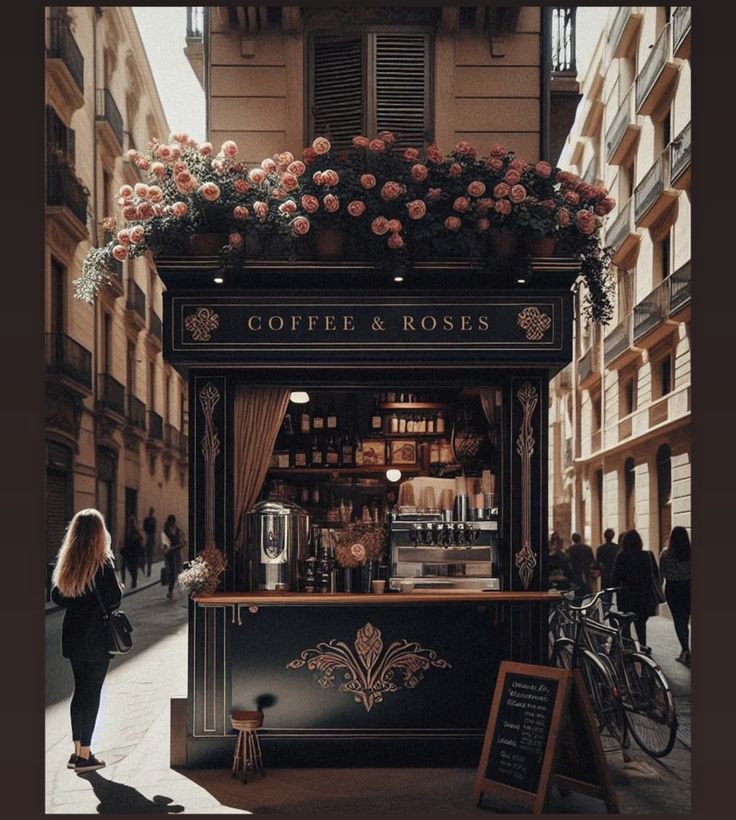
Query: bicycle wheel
605	700
563	650
649	705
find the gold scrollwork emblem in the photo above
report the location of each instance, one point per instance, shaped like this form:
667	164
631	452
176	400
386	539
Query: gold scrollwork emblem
202	323
372	673
525	559
533	322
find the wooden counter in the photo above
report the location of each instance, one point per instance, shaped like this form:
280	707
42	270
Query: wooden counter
370	599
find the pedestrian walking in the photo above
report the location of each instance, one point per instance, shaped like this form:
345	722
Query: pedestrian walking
557	564
131	551
605	555
582	562
85	570
149	528
674	567
635	570
173	545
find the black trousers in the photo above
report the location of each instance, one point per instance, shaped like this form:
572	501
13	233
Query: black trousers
640	625
88	679
173	566
677	594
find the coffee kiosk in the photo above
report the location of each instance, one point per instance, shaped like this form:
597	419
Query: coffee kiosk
354	678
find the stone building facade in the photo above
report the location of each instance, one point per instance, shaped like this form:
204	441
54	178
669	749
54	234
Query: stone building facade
620	440
116	414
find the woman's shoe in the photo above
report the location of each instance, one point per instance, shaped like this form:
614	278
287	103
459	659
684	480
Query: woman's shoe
89	764
72	761
686	658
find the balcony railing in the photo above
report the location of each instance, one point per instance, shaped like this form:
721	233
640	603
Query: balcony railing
563	40
195	22
155	426
623	27
154	325
591	172
622	236
136	413
680	156
680	29
622	131
655	74
653	194
136	301
64	47
108	111
111	394
585	365
172	437
65	357
680	288
618	341
64	189
652	310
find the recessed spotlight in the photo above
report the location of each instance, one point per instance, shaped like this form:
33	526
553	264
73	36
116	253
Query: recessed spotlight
393	475
521	281
299	397
218	280
398	278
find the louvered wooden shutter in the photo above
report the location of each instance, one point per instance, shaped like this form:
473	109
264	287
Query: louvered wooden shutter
337	104
400	86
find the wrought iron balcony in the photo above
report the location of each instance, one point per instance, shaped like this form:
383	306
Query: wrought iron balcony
136	413
195	22
67	358
155	426
680	159
183	447
625	24
66	192
154	325
591	172
656	77
681	32
172	437
653	195
64	47
135	306
563	40
650	316
110	394
680	294
623	131
623	236
110	118
618	345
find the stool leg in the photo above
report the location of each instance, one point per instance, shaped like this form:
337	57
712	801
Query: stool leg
259	756
246	750
236	755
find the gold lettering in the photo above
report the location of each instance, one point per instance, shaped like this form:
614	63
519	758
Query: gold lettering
250	322
447	323
465	323
425	322
295	322
271	321
312	321
409	323
483	322
330	323
347	323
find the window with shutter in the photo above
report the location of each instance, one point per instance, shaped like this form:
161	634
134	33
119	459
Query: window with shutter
370	82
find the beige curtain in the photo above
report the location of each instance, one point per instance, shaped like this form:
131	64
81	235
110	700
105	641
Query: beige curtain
259	412
488	401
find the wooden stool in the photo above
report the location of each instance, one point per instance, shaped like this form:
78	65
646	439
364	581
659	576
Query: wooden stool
247	747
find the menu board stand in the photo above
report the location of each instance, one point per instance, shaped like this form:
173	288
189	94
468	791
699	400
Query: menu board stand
541	730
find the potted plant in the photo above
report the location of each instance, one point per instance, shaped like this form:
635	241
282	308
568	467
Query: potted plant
201	575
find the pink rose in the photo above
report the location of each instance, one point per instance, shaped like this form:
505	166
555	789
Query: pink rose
465	149
131	155
178	167
434	155
572	197
209	191
141	190
284	159
289	182
433	194
299	225
377	145
218	166
563	217
360	142
379	226
461	204
330	177
287	207
606	205
494	164
144	210
297	168
241	185
476	188
501	190
321	145
129	212
586	190
310	203
455	169
235	240
368	181
126	192
159	169
309	154
240	212
512	176
482	206
120	253
179	209
503	207
260	209
136	234
143	164
394	225
483	224
453	223
317	178
175	152
257	175
548	204
205	149
390	190
395	241
416	209
411	155
519	165
155	194
163	152
497	151
387	137
268	165
331	203
586	222
517	194
567	178
124	236
356	207
543	169
158	209
419	172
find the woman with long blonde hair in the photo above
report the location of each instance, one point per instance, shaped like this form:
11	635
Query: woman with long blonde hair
84	582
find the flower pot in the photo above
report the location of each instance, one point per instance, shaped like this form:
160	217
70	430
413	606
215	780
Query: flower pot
207	244
503	245
541	247
329	244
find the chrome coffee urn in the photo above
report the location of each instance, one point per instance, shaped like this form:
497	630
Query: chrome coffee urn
277	533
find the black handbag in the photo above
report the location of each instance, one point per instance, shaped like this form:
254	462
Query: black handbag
656	594
118	640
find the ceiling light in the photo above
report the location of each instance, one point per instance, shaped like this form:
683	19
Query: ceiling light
393	475
218	280
398	278
299	397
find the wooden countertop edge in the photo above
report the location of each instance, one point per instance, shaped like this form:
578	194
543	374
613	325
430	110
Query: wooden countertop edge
369	599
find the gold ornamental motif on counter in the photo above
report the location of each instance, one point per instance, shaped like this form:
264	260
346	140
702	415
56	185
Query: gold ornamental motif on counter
370	672
534	323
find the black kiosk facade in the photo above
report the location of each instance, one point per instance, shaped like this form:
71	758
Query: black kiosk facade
361	679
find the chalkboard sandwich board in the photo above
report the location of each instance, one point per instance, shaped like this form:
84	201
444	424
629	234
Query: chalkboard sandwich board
532	716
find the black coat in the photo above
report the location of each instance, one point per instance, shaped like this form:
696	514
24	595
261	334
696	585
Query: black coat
633	571
83	630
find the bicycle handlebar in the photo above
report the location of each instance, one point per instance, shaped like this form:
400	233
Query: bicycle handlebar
592	602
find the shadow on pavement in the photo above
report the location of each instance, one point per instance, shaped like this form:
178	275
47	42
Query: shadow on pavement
117	798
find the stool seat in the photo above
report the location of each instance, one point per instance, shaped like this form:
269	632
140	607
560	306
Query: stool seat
247	746
246	720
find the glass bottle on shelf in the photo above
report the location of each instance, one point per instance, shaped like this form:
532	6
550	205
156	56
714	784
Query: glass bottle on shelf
301	458
318	458
430	424
331	416
402	424
440	425
318	419
422	428
410	424
393	422
347	448
376	420
332	454
305	421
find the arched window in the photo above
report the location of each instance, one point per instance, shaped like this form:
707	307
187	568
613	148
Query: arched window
664	493
629	492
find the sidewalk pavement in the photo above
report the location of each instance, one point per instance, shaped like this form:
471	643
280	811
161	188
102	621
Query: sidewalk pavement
133	736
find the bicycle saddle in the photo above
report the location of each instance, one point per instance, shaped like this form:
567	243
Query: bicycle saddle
622	620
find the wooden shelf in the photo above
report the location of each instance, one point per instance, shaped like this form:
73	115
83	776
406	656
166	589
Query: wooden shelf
370	469
413	405
415	435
